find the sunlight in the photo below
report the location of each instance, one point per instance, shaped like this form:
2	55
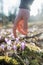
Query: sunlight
35	6
12	4
9	4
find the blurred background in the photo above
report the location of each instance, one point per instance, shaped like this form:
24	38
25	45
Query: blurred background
10	8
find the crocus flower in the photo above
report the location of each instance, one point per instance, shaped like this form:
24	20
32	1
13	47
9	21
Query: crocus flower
9	42
9	47
23	45
2	46
6	39
15	47
17	40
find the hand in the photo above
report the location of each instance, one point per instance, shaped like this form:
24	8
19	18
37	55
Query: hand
20	22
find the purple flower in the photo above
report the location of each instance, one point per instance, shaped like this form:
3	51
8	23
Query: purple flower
17	40
23	45
9	42
6	39
15	47
8	47
2	46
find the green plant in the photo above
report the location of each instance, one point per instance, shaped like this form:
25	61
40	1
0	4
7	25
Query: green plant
34	62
